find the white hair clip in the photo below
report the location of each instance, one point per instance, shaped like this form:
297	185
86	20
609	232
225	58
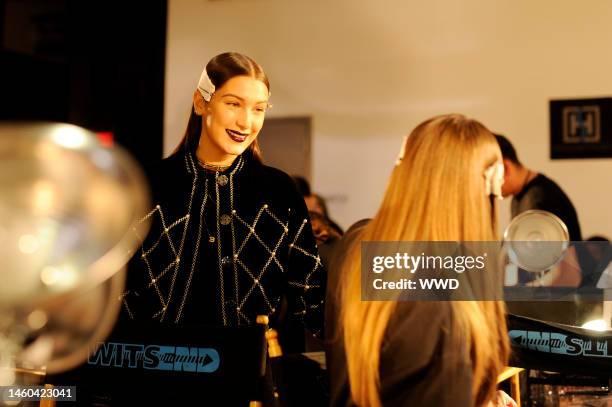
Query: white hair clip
205	86
402	151
494	179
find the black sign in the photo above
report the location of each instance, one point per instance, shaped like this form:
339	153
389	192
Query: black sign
560	348
581	128
163	364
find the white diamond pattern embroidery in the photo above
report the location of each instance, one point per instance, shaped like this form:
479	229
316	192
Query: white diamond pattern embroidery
165	234
264	218
271	252
304	285
154	278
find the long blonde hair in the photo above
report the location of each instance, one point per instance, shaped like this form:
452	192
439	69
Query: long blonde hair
436	193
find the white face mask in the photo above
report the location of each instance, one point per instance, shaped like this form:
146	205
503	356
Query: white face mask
494	179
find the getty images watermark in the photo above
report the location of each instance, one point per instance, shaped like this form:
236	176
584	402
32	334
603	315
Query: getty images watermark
444	271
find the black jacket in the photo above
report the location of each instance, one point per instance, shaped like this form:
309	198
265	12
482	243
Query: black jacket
224	247
544	194
420	362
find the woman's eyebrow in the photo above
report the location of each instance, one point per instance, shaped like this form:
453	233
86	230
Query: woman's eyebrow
242	99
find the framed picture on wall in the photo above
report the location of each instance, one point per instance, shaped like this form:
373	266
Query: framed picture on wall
581	128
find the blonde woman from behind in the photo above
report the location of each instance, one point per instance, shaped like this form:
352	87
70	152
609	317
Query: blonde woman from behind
424	353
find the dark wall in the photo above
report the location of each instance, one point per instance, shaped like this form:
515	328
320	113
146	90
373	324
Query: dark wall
96	64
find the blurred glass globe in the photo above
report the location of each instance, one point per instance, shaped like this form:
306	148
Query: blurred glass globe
70	219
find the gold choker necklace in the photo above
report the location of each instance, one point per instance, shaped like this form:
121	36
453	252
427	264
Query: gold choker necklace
213	167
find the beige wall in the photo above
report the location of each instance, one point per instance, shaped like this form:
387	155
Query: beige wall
369	71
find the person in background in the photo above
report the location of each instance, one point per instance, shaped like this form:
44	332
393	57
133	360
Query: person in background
315	203
597	262
430	353
302	184
532	190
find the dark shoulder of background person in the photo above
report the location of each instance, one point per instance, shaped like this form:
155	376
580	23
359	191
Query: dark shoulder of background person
546	195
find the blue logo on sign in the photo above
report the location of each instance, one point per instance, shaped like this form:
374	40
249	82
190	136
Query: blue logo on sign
156	357
552	342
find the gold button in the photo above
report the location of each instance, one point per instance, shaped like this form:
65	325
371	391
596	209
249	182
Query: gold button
225	219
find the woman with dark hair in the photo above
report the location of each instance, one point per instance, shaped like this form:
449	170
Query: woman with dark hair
229	236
